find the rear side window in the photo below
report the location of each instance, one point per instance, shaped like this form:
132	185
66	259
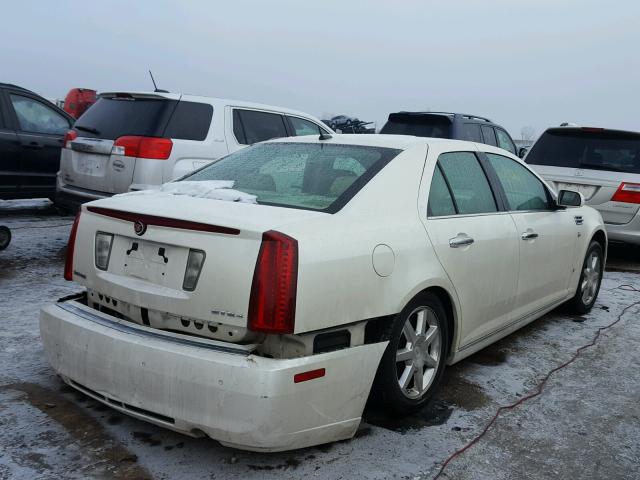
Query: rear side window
595	150
471	132
310	176
36	117
257	126
504	141
437	126
110	118
440	200
523	189
489	136
303	127
468	183
190	121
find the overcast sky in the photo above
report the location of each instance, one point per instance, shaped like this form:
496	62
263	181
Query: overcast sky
520	62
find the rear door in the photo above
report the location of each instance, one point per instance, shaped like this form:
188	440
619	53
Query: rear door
9	153
547	236
89	163
475	243
592	161
40	130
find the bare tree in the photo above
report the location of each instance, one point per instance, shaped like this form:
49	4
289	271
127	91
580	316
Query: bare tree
528	133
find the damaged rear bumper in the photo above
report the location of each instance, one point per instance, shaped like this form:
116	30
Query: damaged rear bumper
198	386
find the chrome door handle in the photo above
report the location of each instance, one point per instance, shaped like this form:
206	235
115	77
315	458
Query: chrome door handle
529	235
457	242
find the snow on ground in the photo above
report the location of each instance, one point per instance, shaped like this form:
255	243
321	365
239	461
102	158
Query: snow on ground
586	424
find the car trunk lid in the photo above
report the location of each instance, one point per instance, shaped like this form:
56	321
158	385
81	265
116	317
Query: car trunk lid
147	263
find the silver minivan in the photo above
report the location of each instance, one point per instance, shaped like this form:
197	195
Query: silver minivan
134	140
603	165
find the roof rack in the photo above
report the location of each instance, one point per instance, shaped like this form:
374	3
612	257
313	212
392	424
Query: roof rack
465	115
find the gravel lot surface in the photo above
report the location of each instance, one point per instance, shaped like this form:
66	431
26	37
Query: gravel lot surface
586	423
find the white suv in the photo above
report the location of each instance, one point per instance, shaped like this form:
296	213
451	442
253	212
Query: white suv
128	141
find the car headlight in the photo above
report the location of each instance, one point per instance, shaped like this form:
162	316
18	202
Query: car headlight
103	249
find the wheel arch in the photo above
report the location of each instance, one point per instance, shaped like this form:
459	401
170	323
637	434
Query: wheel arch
450	310
601	237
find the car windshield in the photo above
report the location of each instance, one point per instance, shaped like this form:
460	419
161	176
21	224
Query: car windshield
313	176
436	126
588	149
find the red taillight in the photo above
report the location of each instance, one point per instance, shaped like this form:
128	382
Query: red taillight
70	136
272	305
627	193
68	261
143	147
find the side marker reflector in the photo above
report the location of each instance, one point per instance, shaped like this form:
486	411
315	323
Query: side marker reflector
310	375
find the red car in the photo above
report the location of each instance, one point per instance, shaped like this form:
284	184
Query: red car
78	100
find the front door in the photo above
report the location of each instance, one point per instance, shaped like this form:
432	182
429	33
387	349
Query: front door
9	155
547	237
40	131
476	244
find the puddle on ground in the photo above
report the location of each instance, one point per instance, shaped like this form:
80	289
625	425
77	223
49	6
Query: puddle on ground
454	392
109	454
488	356
436	413
147	438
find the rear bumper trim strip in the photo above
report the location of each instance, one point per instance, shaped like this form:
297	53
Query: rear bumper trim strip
119	325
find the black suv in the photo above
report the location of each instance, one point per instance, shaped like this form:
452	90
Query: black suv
32	130
458	126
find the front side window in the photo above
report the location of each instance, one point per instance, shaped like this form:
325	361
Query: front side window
504	141
469	185
523	189
311	176
258	126
34	116
303	127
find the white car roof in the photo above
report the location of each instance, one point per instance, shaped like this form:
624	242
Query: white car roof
401	142
216	102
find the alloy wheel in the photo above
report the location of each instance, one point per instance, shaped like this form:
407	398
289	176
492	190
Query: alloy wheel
590	277
418	353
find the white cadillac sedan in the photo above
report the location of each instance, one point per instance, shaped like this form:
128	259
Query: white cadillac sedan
262	300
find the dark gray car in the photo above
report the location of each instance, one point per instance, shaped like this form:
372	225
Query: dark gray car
457	126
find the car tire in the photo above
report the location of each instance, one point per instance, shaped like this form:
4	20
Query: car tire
397	383
589	283
5	237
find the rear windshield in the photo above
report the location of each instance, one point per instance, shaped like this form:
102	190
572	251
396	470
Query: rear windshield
587	149
110	118
438	126
310	176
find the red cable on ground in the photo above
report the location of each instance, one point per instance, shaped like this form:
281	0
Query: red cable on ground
540	386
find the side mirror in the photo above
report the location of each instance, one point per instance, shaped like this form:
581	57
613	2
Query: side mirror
569	198
522	151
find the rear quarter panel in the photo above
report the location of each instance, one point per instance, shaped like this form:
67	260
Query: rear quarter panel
337	282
